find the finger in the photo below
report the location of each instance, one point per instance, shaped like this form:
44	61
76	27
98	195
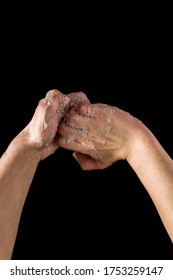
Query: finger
91	111
59	103
52	98
76	98
54	94
86	162
73	124
85	109
69	143
75	140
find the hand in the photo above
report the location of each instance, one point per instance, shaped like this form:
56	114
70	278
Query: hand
99	134
40	133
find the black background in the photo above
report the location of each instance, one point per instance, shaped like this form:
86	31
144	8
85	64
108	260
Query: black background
100	214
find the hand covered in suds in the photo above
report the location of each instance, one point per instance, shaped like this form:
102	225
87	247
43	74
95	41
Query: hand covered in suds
40	133
99	134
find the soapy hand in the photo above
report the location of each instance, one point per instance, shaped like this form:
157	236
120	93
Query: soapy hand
41	132
98	133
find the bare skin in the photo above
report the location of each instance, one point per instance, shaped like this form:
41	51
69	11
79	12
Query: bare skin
101	134
19	162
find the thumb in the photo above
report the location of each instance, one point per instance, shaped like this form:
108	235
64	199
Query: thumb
86	162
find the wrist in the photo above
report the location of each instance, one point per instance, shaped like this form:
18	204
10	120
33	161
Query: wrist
21	144
141	144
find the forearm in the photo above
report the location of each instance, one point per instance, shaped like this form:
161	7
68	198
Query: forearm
36	142
154	168
17	167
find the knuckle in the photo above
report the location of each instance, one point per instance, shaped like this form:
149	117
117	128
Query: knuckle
78	96
84	109
71	118
53	93
83	95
